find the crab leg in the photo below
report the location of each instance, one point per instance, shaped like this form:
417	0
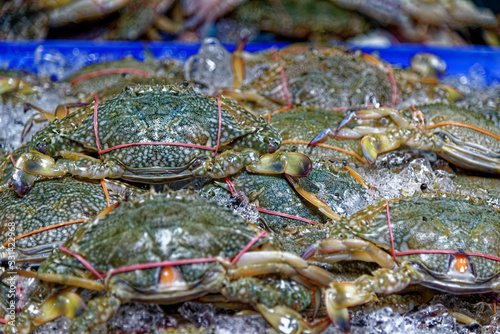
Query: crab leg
238	63
314	200
264	262
365	114
62	279
84	9
33	163
287	320
340	296
350	249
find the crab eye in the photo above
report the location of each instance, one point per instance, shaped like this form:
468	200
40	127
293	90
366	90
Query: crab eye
41	147
272	147
198	162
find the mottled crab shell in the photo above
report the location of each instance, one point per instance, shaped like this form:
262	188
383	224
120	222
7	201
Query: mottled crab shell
50	202
153	229
171	114
340	191
323	78
443	222
303	124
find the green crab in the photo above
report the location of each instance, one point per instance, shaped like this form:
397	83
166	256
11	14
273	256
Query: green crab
167	249
110	78
330	78
465	138
298	125
32	226
329	192
153	134
318	20
444	242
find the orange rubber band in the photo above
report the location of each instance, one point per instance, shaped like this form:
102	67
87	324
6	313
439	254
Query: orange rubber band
43	229
464	125
105	189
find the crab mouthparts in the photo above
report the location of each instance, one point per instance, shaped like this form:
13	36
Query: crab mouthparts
460	268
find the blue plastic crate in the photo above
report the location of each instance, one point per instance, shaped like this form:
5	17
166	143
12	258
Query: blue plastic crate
26	55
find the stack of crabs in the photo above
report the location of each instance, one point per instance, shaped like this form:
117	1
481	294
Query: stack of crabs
135	190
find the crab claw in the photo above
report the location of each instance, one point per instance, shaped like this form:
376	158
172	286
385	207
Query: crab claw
37	163
68	304
338	298
30	164
322	136
22	182
375	144
294	164
286	320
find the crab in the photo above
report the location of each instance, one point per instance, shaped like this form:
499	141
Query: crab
110	78
28	19
167	249
319	20
153	134
464	138
329	192
34	225
444	242
330	78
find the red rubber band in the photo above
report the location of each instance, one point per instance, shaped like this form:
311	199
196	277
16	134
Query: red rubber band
110	71
393	251
152	143
230	184
393	84
156	143
287	216
162	263
249	245
82	261
429	251
12	159
159	264
96	105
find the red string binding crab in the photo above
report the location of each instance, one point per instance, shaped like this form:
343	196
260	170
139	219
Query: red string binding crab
406	237
154	134
168	249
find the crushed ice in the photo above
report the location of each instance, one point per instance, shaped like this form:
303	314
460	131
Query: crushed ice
210	67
